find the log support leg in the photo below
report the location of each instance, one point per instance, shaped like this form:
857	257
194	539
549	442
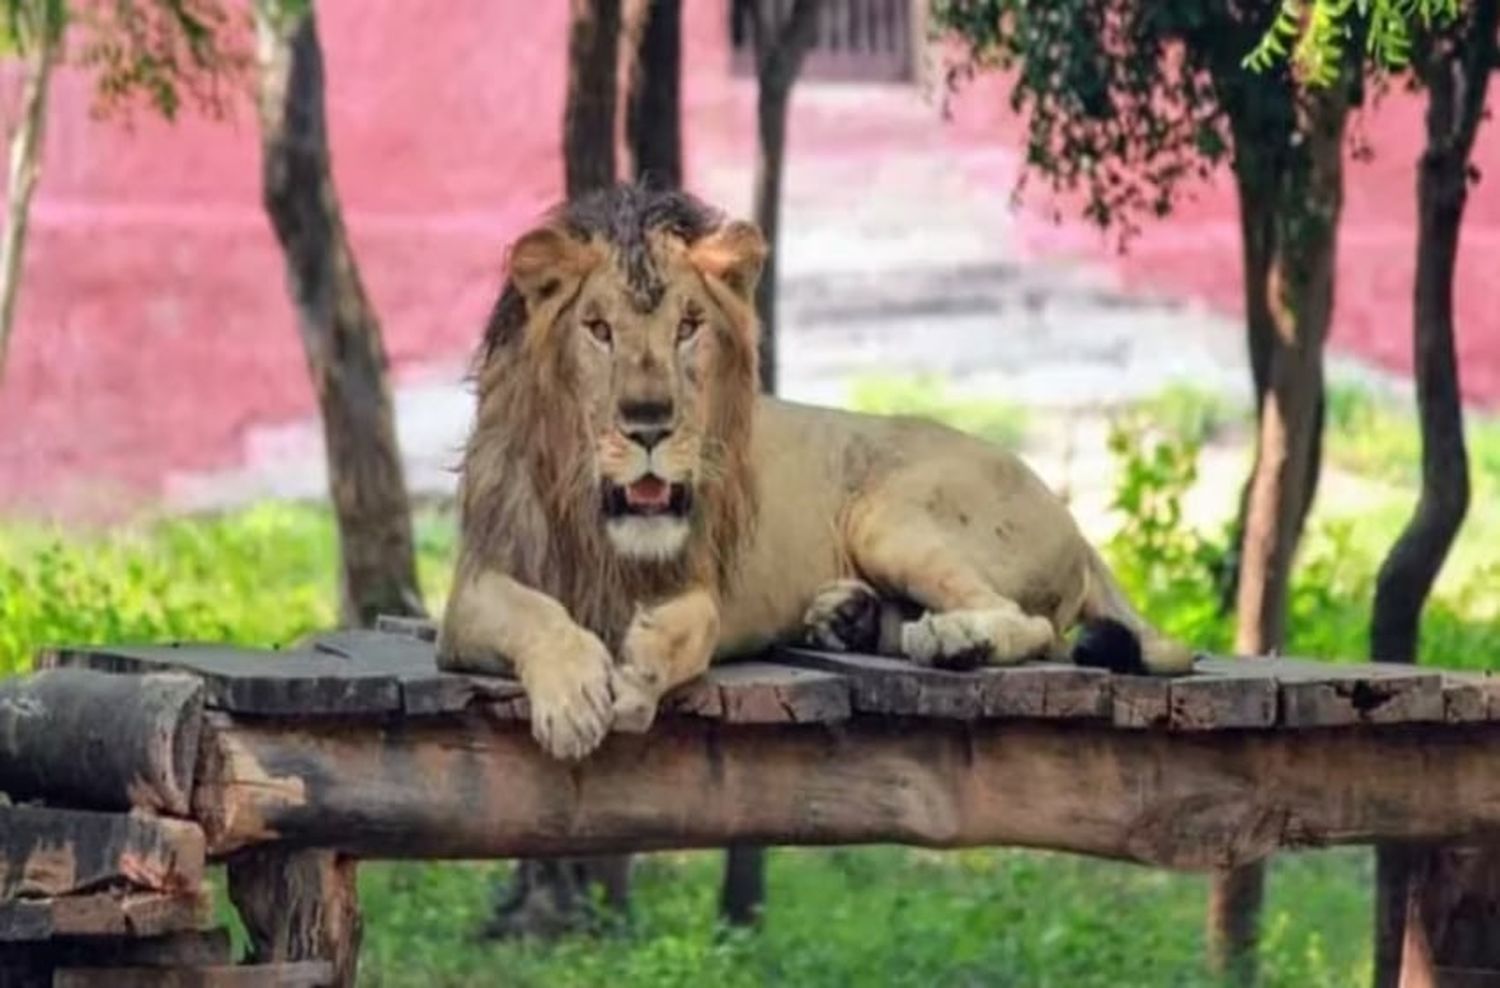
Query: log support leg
299	906
1453	918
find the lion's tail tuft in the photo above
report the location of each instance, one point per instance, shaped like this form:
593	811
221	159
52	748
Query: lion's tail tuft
1115	637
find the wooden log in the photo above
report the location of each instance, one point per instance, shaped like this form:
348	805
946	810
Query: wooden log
49	852
473	788
303	974
299	906
34	965
1453	918
116	913
101	741
194	948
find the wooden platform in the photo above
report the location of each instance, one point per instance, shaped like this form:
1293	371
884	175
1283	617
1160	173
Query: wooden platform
354	744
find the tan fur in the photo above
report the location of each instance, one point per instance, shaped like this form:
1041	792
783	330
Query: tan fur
789	500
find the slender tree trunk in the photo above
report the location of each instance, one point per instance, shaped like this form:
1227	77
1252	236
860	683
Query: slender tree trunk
340	334
653	114
589	117
779	49
1456	72
25	169
548	897
1299	285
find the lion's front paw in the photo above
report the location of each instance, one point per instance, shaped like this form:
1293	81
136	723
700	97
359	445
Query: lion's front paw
636	684
635	701
569	694
844	616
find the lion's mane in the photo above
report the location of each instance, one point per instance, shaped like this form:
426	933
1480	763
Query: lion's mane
528	500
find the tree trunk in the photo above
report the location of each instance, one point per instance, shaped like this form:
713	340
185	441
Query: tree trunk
1453	913
1456	72
25	169
299	906
589	117
779	48
1299	286
653	113
548	897
743	894
340	334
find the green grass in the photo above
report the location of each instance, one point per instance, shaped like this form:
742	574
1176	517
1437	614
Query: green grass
880	916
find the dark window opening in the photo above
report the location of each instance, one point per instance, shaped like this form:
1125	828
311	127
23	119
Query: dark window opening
855	40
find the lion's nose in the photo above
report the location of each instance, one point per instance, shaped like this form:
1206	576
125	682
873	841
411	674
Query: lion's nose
646	422
648	438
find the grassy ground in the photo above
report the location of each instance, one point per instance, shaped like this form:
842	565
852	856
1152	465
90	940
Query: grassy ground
885	916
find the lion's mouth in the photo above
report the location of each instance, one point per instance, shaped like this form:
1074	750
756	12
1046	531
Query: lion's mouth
649	495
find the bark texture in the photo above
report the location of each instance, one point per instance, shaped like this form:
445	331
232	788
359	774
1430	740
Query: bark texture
299	906
340	333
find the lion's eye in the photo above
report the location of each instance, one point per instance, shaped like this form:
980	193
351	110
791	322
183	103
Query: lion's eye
600	330
688	328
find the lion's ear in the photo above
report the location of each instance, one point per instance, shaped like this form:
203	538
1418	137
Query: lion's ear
734	253
545	261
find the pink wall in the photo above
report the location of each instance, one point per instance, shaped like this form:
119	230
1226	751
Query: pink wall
154	324
154	327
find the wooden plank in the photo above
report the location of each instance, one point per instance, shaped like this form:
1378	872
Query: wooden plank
425	690
1140	701
471	788
100	741
1329	694
291	682
302	974
880	685
1046	690
763	693
423	629
51	852
115	913
1466	697
1234	697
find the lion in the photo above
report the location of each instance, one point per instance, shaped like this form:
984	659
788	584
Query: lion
632	509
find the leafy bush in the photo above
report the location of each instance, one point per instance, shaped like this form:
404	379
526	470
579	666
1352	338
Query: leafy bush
264	577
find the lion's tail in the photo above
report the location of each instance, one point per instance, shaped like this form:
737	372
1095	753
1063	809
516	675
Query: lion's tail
1116	637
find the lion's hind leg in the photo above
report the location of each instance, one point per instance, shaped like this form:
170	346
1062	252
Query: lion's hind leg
849	615
968	622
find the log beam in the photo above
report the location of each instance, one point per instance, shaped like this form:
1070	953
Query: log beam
472	787
101	741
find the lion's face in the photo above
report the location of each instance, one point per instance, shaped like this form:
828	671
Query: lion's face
653	343
646	363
